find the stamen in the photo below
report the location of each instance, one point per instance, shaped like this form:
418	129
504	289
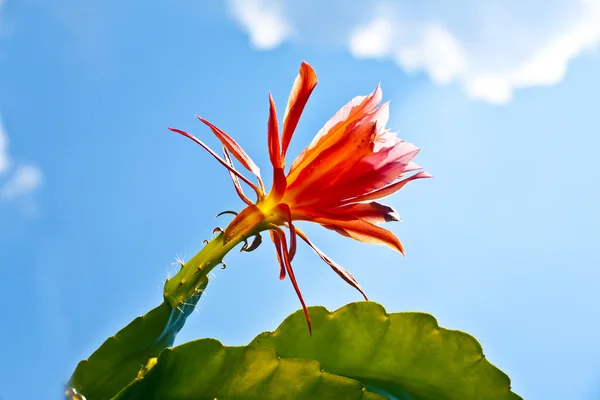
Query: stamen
273	136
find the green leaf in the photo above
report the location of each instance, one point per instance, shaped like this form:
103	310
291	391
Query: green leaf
205	369
117	362
403	354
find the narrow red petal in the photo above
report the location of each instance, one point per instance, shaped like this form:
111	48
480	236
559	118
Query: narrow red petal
292	240
277	243
290	271
303	87
345	275
259	193
234	178
279	185
233	147
274	144
285	209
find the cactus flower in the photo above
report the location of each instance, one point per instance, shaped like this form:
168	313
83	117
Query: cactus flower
353	161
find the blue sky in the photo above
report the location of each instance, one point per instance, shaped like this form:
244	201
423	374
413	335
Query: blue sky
97	198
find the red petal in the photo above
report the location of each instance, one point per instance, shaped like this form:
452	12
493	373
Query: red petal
303	87
279	185
285	209
345	275
292	239
233	147
274	145
290	271
277	243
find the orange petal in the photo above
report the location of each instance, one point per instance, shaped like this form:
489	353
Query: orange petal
331	165
303	86
234	148
335	128
244	224
352	158
372	212
345	275
372	172
274	145
372	234
351	227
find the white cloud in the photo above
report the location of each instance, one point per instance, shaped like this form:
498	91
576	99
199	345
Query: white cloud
488	47
437	52
4	159
17	181
264	21
548	64
372	40
24	180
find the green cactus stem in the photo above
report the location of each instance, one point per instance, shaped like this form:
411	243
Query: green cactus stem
188	280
